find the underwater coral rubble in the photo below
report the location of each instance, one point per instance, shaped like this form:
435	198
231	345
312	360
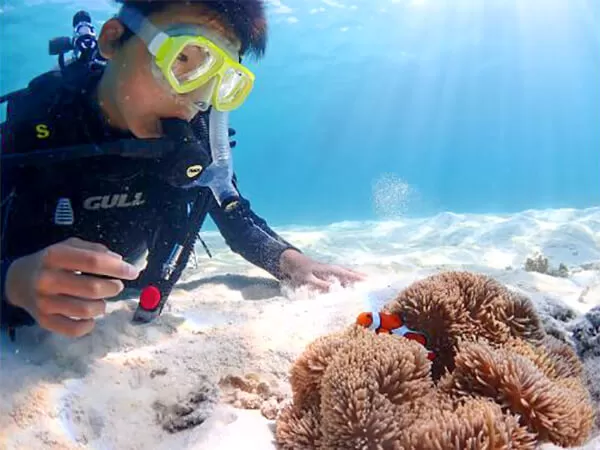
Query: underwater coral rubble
586	334
253	392
497	381
539	263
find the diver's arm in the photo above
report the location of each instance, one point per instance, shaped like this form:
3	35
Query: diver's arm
10	316
10	137
26	114
248	235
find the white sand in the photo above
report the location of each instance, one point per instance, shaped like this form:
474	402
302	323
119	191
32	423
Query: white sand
229	317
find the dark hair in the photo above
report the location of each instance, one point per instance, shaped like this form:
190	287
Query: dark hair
246	18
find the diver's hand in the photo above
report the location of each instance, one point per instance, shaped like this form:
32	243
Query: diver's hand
47	286
302	270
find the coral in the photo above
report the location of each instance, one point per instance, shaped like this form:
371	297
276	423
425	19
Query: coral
253	392
498	381
539	263
586	334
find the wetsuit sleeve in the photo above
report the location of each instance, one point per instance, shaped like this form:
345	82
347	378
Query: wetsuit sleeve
10	316
248	235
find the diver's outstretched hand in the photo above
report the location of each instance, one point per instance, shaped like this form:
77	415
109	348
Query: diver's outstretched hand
50	285
302	270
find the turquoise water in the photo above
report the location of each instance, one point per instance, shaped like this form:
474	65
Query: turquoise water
369	109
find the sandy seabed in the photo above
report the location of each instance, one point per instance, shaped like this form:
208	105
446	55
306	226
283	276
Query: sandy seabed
205	374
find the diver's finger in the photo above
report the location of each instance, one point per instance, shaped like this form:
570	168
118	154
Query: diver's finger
82	286
361	275
318	283
344	275
67	257
74	307
66	326
94	246
351	274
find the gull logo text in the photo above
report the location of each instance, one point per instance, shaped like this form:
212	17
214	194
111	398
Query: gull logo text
114	201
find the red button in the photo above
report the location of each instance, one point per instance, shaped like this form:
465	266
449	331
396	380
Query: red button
150	297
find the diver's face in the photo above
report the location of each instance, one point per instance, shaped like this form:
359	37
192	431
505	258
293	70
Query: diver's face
131	94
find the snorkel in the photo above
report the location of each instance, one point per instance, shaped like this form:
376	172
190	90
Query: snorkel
219	175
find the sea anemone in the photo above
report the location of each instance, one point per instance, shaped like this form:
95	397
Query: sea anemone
497	381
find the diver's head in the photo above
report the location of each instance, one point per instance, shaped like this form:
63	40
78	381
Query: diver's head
173	59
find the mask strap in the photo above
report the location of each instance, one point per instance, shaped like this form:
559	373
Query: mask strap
151	35
154	37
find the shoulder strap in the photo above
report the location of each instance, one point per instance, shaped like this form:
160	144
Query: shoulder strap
30	112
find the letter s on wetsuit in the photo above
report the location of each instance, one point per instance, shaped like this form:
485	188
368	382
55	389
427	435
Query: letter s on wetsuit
123	203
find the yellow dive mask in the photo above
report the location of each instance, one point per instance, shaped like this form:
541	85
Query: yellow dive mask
191	56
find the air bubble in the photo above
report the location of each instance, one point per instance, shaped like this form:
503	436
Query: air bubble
391	196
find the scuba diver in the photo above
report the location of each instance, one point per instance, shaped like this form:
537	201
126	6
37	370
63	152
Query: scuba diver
123	151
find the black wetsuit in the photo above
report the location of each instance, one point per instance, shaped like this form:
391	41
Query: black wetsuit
127	204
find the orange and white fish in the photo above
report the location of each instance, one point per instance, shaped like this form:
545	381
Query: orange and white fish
392	324
379	322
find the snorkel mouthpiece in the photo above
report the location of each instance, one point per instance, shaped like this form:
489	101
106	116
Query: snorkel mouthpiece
219	175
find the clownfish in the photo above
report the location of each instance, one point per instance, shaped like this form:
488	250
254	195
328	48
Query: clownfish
392	324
